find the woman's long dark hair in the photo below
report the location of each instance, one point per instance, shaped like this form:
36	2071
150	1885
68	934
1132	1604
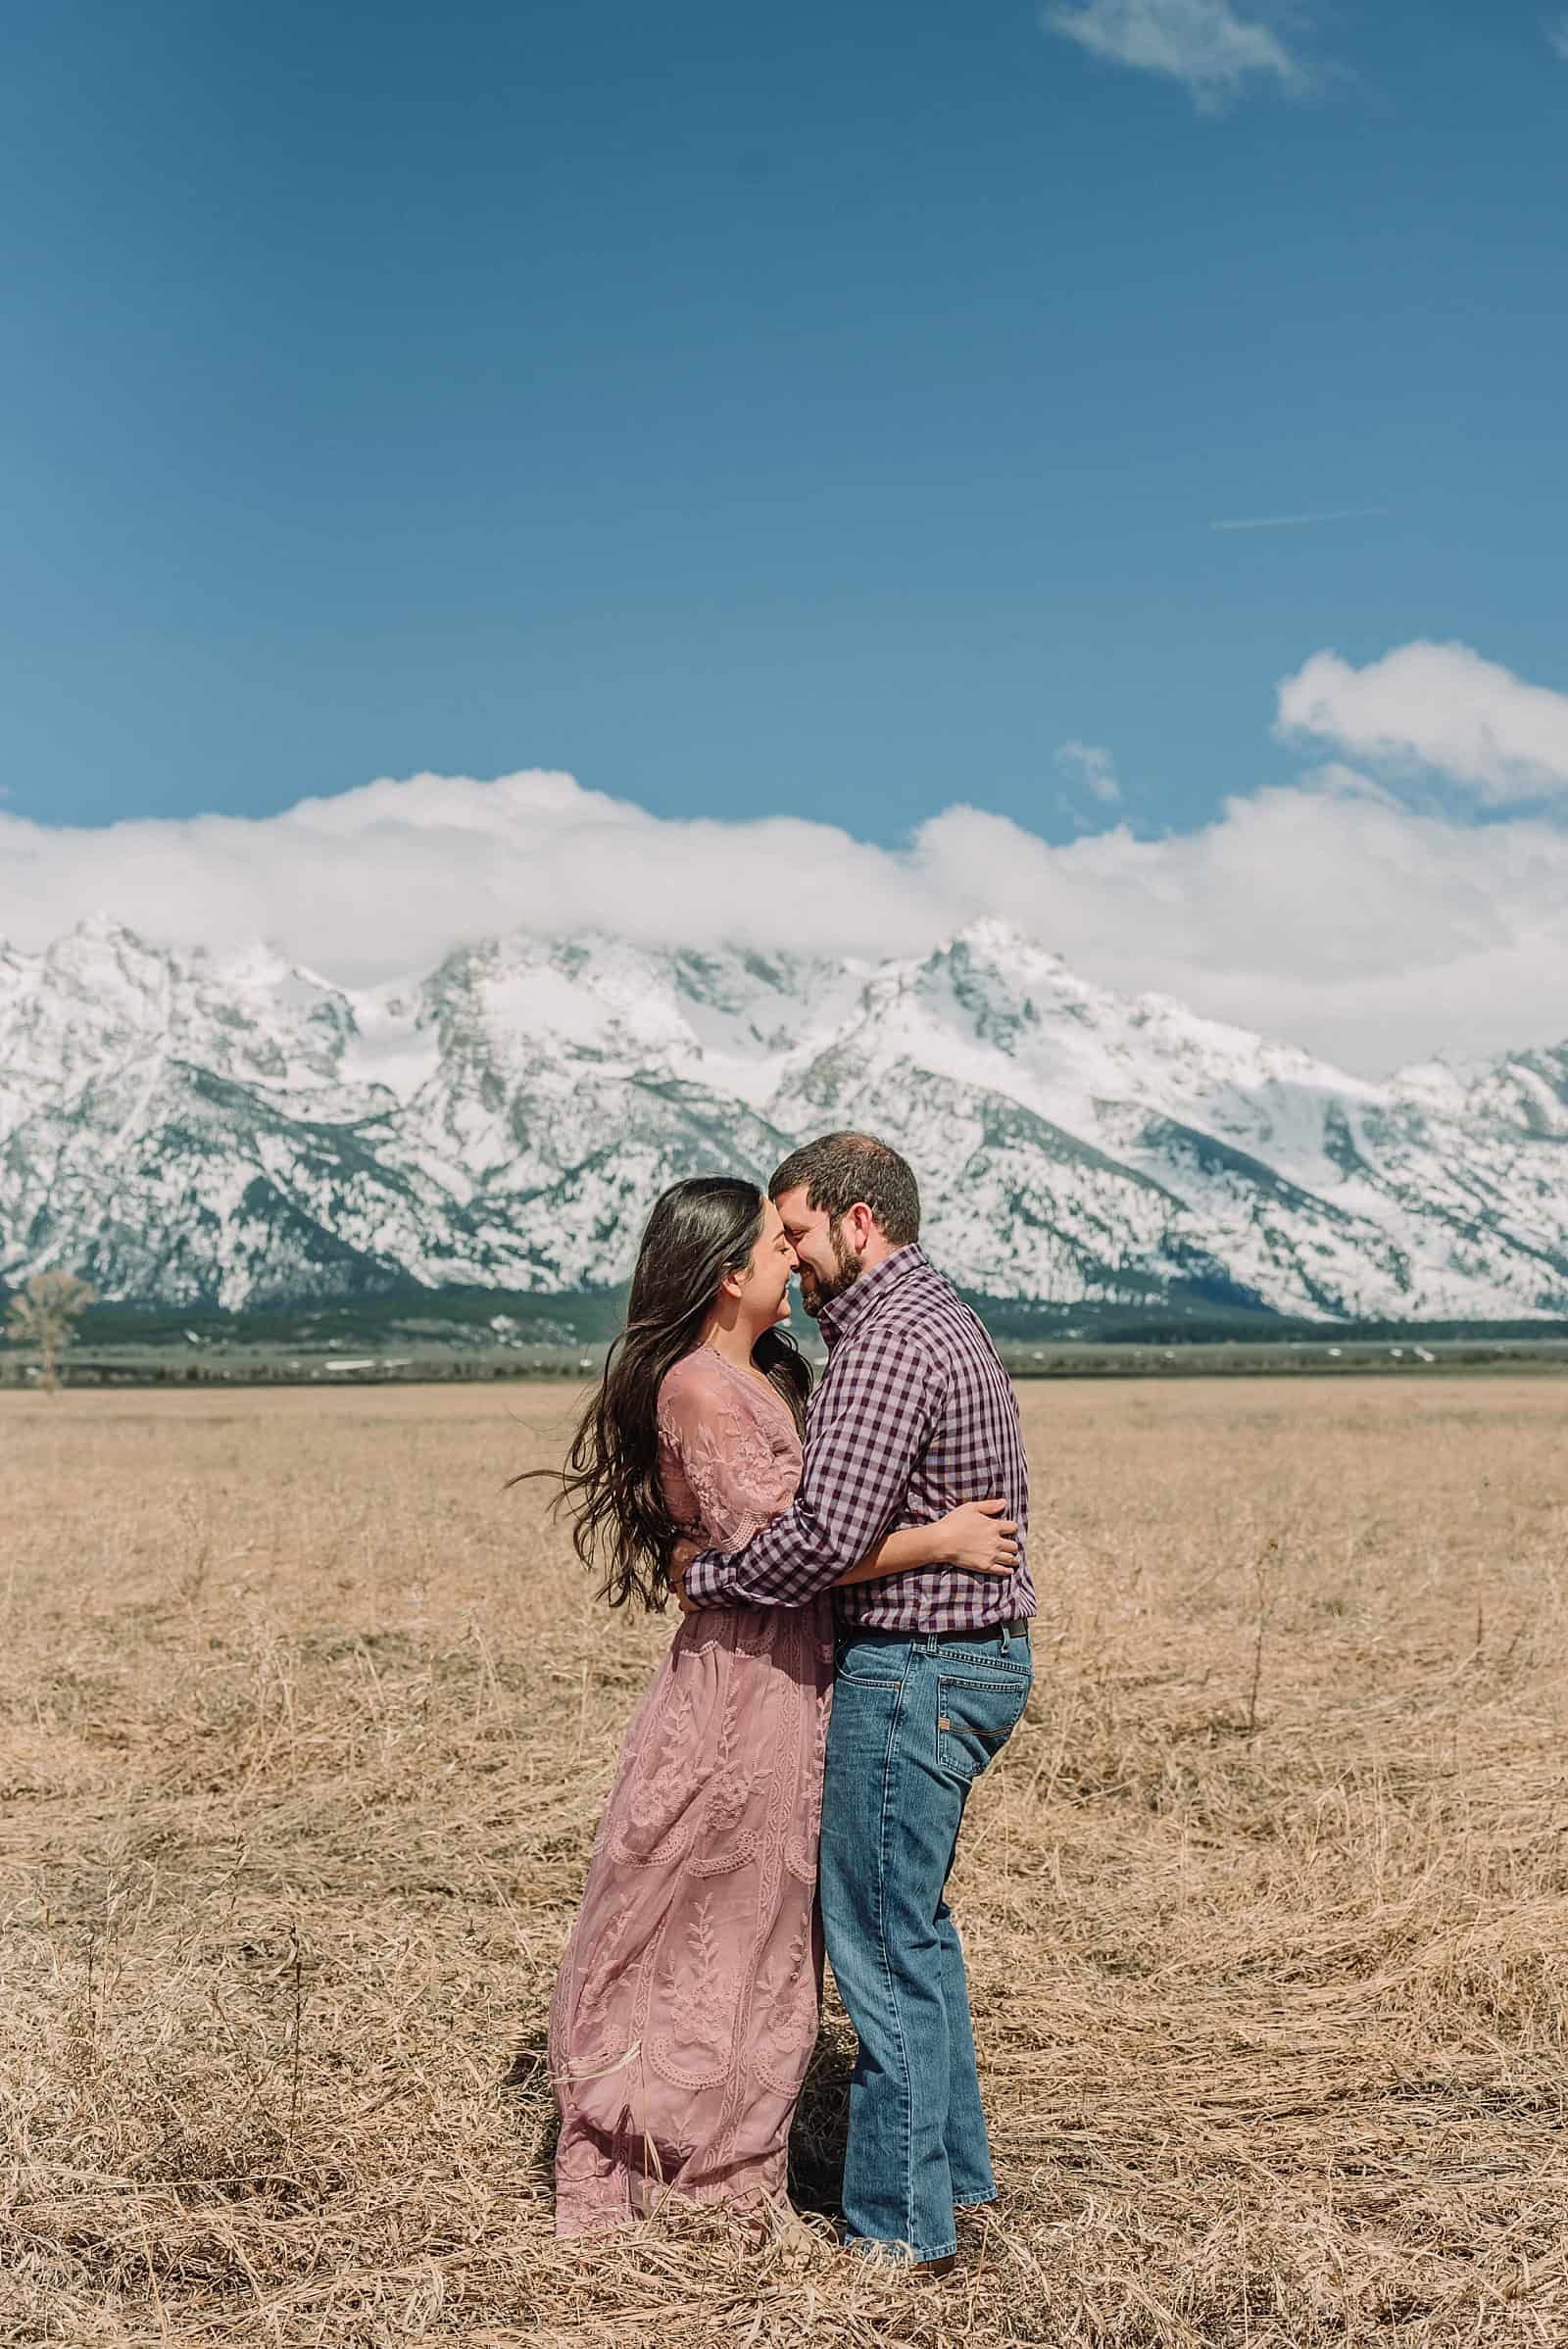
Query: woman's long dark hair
698	1231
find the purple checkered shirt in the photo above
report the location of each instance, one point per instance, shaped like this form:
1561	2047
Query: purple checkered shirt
914	1415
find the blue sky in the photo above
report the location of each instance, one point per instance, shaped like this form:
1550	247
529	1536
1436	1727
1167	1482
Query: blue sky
822	409
820	412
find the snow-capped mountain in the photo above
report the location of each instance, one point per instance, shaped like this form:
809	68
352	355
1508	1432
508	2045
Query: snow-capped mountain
181	1128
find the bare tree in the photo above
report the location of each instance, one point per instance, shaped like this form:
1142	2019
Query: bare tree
44	1316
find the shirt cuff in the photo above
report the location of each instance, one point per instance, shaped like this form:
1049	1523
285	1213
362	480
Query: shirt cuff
706	1580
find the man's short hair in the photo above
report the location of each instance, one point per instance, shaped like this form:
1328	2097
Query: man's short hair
838	1171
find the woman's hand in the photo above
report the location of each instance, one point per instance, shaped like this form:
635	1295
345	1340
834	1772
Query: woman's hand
681	1557
979	1537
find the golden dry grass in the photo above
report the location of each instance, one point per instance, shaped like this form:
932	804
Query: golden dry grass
307	1724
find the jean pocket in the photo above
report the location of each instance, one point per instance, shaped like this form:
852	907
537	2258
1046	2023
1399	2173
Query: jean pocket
858	1674
1011	1663
975	1718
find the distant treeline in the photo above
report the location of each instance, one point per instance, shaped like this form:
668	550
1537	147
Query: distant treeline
409	1334
528	1320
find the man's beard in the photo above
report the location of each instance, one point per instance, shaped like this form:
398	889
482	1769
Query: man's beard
847	1268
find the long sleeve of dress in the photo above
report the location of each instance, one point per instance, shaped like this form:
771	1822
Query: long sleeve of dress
717	1445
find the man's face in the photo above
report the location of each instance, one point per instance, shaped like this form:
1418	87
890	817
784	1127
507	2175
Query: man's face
828	1262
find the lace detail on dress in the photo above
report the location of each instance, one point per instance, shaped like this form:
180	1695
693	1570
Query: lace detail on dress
805	1832
658	1816
702	1985
598	1981
784	2016
732	1779
731	1443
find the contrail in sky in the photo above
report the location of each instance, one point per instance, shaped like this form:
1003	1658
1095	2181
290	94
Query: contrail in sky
1299	522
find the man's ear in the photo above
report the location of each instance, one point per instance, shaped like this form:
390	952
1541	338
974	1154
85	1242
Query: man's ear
861	1223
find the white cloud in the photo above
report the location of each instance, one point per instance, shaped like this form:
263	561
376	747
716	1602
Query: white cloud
1439	706
1091	765
1328	912
381	880
1557	38
1203	44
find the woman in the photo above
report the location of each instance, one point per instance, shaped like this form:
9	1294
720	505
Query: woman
686	2007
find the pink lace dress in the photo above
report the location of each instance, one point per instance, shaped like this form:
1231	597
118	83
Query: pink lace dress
687	2003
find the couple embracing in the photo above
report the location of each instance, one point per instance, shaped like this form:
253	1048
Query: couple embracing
854	1649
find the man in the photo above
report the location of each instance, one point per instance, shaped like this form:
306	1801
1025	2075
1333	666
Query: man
914	1414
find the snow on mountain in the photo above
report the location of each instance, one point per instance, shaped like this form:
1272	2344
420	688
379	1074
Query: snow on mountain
191	1128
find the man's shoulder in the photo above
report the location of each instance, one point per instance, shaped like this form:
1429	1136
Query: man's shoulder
929	1300
930	1314
891	1338
924	1321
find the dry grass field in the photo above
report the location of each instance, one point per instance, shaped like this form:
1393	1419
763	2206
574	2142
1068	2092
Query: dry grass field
307	1724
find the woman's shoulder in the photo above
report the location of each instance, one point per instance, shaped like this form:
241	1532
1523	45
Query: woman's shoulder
692	1380
701	1390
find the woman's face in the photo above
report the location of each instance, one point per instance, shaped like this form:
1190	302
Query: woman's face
767	1285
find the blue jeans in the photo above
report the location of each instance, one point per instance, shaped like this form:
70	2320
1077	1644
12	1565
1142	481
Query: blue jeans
916	1717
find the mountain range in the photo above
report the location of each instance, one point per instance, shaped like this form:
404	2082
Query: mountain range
199	1129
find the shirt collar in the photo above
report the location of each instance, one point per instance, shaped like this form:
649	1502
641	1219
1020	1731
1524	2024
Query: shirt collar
850	1307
